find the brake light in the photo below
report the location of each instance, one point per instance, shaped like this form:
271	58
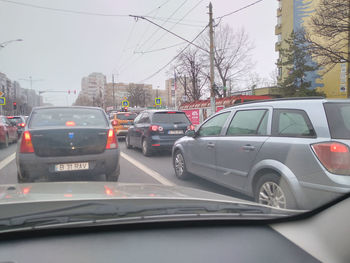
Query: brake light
26	143
109	191
10	117
334	156
171	112
70	123
26	190
155	128
21	124
191	127
111	140
114	122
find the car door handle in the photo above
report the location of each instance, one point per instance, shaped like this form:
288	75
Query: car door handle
248	147
210	145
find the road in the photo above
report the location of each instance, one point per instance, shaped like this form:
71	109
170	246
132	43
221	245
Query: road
135	168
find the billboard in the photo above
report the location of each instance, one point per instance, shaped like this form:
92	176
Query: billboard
193	116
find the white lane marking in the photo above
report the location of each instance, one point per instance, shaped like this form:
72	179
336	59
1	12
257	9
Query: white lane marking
147	170
7	160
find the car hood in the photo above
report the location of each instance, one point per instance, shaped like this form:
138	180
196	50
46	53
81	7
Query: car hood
59	191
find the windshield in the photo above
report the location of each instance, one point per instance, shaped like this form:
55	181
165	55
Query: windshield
242	102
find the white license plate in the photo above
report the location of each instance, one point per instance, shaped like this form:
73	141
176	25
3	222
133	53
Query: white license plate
71	167
176	132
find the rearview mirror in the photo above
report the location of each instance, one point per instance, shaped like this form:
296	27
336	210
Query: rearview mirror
190	133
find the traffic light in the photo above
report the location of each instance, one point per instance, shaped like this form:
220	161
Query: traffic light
14	105
124	109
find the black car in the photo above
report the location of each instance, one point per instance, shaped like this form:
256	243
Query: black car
19	121
67	143
157	129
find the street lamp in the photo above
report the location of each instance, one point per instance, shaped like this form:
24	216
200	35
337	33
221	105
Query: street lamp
4	44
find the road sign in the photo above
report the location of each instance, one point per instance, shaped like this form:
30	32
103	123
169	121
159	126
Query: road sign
1	93
2	101
125	103
158	101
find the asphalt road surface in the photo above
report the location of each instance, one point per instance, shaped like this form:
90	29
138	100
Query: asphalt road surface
134	168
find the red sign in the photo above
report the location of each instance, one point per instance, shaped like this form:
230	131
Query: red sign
193	116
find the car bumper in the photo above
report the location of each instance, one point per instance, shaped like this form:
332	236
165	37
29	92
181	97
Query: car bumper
314	195
158	142
121	132
33	167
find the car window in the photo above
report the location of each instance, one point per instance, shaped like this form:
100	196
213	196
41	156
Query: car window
214	125
247	122
170	117
145	118
126	116
292	123
137	119
61	117
338	116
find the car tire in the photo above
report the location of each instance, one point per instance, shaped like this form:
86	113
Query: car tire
271	189
180	166
127	142
114	175
22	179
146	151
6	142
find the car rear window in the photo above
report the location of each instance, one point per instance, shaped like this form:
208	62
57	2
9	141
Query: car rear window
338	115
15	120
126	116
68	117
170	117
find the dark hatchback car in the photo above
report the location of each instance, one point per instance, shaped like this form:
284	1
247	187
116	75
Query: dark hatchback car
19	121
157	130
67	143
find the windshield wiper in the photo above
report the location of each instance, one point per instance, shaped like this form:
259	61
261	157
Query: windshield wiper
97	211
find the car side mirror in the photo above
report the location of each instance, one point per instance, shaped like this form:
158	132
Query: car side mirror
190	133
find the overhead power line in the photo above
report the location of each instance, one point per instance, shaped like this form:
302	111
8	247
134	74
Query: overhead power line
62	10
167	64
240	9
190	42
159	49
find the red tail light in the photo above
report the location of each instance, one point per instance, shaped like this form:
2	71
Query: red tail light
334	156
26	143
26	190
109	191
114	122
111	140
155	128
21	124
191	127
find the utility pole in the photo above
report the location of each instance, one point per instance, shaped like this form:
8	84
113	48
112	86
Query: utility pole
113	91
212	82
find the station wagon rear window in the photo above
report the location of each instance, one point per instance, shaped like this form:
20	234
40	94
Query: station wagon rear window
338	115
170	117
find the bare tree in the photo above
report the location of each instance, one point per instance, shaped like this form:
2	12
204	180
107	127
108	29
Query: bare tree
190	71
232	51
138	95
329	32
83	100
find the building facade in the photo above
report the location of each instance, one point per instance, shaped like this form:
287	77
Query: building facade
175	93
293	15
93	86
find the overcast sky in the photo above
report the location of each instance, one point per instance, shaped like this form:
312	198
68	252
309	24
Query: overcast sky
60	48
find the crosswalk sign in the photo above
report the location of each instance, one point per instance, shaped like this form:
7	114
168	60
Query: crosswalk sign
125	103
158	101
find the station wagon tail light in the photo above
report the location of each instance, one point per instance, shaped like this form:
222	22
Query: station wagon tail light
26	143
171	112
21	124
111	140
334	156
155	128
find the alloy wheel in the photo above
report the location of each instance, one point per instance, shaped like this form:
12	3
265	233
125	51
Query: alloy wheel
179	164
271	194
